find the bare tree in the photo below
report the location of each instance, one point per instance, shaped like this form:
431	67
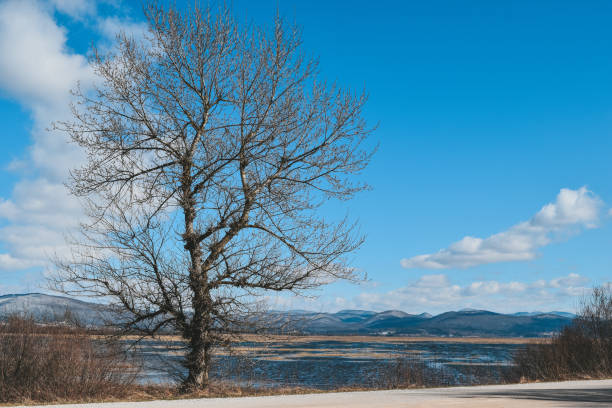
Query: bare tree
210	147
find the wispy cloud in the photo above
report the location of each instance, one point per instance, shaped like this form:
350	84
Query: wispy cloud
572	211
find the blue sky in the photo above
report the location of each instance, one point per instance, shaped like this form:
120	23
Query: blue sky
487	112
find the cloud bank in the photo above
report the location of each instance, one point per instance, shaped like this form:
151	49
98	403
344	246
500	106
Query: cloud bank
436	293
572	211
38	70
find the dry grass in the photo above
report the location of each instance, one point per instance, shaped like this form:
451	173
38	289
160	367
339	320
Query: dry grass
141	393
45	363
225	390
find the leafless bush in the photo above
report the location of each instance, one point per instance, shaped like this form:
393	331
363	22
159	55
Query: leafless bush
56	362
402	372
581	350
408	371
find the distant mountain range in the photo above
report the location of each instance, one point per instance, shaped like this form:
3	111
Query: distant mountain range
47	307
562	314
466	322
460	323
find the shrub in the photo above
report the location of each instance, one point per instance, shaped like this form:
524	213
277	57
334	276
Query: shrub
581	350
54	362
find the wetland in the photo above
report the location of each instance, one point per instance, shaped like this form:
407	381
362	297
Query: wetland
341	362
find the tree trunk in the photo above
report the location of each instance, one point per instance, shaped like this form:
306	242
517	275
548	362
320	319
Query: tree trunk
200	345
198	333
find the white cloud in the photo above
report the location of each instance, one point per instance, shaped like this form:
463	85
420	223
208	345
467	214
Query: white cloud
572	207
75	8
571	280
38	70
573	210
8	262
113	25
437	294
432	281
40	202
506	297
39	214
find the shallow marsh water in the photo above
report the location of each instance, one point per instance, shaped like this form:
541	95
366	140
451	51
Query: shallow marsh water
341	363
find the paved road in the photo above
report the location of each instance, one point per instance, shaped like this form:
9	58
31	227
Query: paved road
574	394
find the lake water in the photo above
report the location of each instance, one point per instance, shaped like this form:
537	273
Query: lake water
331	363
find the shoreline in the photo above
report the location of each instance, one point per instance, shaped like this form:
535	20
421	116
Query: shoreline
261	338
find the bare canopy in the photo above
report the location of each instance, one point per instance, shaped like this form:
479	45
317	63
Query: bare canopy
210	147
